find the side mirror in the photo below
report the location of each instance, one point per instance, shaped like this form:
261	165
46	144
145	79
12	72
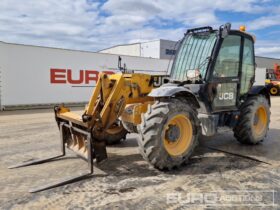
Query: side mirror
193	74
224	30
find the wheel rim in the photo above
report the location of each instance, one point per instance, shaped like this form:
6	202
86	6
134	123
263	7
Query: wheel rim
260	120
177	143
273	90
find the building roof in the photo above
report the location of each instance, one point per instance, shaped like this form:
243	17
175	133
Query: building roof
120	45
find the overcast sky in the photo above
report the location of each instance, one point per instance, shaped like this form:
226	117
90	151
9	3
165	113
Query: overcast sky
94	25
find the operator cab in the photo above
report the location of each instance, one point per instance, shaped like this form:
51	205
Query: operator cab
221	62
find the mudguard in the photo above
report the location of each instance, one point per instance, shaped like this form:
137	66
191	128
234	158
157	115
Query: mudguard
173	90
259	89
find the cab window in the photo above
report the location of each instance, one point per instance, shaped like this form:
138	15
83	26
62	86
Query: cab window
227	63
248	66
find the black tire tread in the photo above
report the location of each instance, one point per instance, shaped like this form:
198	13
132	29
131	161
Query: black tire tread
243	131
150	142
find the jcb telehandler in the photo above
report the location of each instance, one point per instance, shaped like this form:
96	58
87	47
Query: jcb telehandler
210	86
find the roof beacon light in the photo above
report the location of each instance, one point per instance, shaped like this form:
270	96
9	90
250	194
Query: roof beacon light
242	28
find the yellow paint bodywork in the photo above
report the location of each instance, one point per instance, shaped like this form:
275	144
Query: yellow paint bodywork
133	112
112	94
72	117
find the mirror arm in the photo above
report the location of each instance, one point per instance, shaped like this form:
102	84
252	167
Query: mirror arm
224	30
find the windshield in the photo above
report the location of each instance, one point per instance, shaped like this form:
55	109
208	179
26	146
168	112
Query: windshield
193	55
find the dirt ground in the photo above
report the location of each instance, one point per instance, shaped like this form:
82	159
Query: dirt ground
125	181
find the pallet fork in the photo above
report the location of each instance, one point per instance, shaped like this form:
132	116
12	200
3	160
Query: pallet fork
90	147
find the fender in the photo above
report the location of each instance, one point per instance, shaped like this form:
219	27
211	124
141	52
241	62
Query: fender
173	90
260	90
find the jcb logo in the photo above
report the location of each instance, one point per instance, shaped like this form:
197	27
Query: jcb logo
159	80
226	96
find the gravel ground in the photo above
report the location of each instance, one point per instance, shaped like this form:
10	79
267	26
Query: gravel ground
219	170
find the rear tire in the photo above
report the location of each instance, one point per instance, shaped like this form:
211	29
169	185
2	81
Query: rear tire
254	121
168	133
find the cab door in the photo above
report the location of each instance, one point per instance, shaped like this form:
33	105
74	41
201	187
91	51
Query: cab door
248	66
225	82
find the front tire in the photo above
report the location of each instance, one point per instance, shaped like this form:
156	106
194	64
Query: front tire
130	127
168	133
113	135
254	121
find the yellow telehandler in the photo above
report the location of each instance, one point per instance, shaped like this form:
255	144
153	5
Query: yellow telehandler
210	86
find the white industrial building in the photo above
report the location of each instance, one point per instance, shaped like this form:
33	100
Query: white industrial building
161	49
165	49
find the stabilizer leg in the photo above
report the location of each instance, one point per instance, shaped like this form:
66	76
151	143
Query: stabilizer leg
100	152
